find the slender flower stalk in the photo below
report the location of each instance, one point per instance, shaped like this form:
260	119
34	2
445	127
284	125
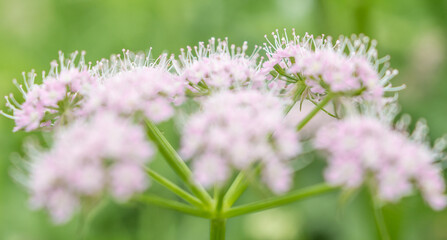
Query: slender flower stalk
176	162
236	189
378	217
279	200
296	96
173	205
174	188
318	107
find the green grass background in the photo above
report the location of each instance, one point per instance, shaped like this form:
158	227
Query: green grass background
413	32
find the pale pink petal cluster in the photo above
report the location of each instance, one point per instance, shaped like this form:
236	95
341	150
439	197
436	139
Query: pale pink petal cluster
348	65
152	91
89	158
58	95
238	124
237	130
363	149
219	66
339	72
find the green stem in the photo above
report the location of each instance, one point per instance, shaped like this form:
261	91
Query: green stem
217	229
238	186
279	200
378	218
174	188
380	224
218	197
300	89
173	205
314	111
236	189
283	73
177	164
217	224
322	109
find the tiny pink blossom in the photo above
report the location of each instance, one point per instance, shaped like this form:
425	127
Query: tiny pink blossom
62	204
126	180
236	130
348	65
363	148
104	154
58	96
278	177
152	91
219	66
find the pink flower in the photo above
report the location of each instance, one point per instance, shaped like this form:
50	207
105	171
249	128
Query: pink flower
127	179
219	66
210	169
62	204
362	146
53	90
89	158
29	116
347	66
278	176
236	130
152	91
56	98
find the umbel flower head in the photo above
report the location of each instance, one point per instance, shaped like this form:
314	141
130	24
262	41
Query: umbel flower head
135	84
219	66
363	149
52	102
238	125
350	65
149	90
236	130
104	154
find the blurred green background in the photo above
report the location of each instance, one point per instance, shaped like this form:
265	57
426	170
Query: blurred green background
413	32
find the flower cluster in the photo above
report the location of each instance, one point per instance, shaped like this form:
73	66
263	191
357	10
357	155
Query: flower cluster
237	129
89	158
363	146
243	121
54	100
219	66
149	90
348	66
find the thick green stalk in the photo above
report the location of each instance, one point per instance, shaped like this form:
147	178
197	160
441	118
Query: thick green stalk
217	229
177	164
217	223
314	111
174	188
279	200
174	205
